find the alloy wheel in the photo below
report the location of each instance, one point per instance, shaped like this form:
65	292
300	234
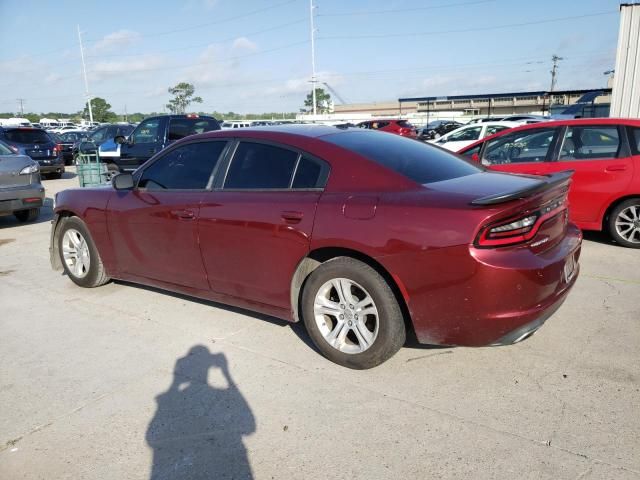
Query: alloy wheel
75	252
628	224
346	315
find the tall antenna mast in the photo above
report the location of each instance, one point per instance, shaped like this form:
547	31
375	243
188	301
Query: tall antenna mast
554	71
313	54
86	82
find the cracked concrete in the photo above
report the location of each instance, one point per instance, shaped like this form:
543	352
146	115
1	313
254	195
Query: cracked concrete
128	382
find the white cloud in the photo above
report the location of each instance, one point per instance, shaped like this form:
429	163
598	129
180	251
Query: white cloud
243	43
115	41
120	68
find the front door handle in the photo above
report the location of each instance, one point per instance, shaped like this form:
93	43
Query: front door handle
616	168
184	214
292	217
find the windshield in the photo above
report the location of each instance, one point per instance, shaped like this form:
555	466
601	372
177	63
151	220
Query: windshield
4	150
417	161
27	136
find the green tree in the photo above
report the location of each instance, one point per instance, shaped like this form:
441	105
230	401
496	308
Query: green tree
100	109
323	101
182	97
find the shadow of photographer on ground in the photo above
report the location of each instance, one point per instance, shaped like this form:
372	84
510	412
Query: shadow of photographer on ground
197	430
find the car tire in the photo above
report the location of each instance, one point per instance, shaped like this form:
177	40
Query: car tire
27	215
334	319
624	223
78	254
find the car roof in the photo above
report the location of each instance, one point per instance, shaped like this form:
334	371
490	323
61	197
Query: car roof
559	123
298	130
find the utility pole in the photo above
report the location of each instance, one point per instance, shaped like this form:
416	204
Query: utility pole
313	54
86	82
554	71
126	117
21	102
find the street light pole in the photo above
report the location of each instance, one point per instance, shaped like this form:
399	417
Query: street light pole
86	82
313	54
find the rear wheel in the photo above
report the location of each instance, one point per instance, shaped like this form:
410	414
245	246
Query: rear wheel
27	215
624	223
79	255
352	314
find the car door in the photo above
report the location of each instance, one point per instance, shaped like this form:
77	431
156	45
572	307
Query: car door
144	142
256	226
602	165
154	227
524	151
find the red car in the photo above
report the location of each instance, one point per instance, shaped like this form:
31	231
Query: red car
399	127
359	234
604	153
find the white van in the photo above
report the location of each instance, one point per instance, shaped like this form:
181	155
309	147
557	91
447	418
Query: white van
235	124
15	122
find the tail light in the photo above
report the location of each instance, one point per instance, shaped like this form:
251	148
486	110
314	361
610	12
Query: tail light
519	229
56	149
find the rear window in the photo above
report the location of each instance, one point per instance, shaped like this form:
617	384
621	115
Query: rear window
404	124
416	160
27	136
183	127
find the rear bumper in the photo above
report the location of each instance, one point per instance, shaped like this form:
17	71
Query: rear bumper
480	297
21	198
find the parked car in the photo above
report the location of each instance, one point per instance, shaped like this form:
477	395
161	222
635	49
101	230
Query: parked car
67	140
235	124
37	144
485	119
351	231
101	135
21	192
526	118
399	127
155	133
463	136
604	153
436	129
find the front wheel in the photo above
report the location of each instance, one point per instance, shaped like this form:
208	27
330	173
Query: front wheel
624	223
351	314
79	255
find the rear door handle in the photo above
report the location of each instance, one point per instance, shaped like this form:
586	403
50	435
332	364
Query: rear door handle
184	214
615	168
292	217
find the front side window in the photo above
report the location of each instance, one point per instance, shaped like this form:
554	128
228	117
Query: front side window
99	135
465	135
183	127
519	147
260	166
590	142
494	129
147	132
187	167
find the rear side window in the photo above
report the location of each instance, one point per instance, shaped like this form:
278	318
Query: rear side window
260	166
590	143
415	160
27	136
519	147
187	167
634	139
4	150
183	127
310	173
465	135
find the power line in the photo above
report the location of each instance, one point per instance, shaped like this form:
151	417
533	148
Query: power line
465	30
404	10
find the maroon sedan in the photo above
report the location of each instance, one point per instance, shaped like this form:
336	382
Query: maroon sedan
359	234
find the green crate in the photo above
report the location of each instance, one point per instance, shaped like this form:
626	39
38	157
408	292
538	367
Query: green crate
91	174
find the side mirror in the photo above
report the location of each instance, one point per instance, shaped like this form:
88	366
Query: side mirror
120	139
122	181
475	157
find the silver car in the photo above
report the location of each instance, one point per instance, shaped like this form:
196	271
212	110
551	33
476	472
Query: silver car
21	192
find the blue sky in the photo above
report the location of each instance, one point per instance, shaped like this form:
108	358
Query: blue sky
254	56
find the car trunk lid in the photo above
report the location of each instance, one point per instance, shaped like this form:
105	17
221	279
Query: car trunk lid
10	167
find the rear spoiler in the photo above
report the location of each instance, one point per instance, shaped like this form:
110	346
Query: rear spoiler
546	182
